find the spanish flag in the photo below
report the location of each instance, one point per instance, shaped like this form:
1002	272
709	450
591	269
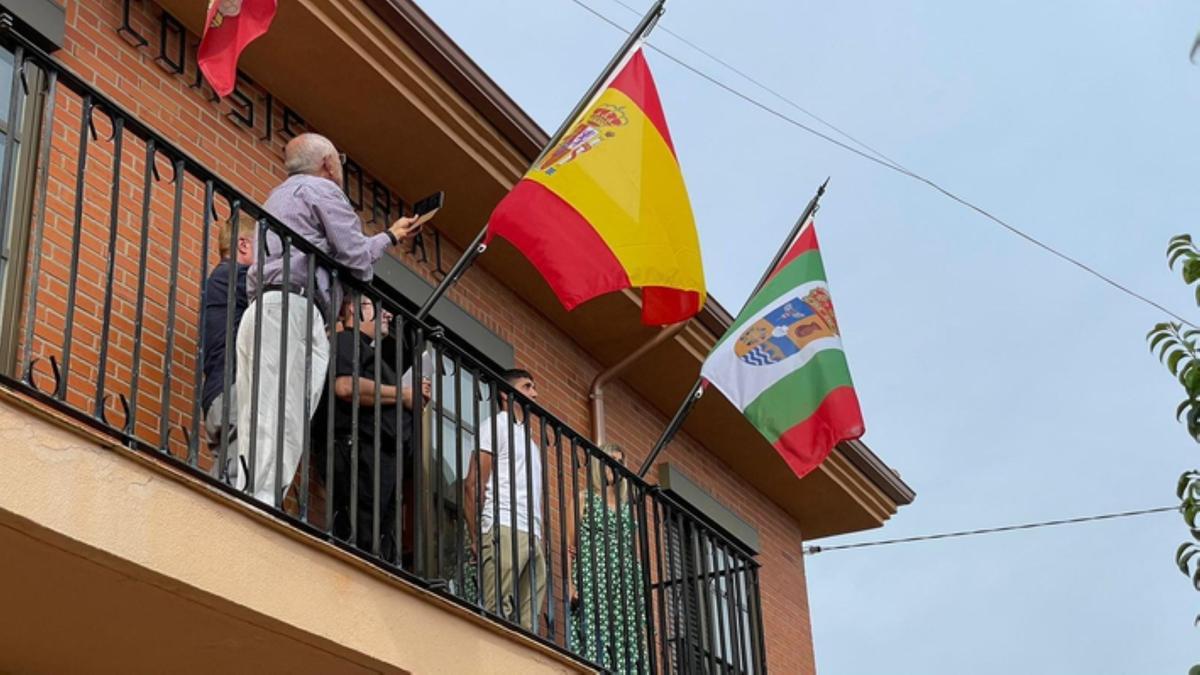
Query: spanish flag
606	209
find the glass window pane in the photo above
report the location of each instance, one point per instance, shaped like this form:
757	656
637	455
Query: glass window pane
6	74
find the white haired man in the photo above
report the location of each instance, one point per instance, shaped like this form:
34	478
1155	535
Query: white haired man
312	205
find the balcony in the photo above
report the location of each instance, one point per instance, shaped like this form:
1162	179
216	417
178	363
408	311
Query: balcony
113	486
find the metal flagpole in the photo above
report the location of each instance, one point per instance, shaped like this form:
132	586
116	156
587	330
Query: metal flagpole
697	389
478	246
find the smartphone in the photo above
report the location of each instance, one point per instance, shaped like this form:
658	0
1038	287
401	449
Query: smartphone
425	209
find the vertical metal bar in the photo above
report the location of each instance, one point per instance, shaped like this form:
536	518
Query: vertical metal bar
256	363
331	403
705	597
606	582
660	553
564	547
478	495
139	313
418	441
459	431
545	542
510	424
620	495
717	577
176	227
598	583
284	348
531	515
85	126
228	368
737	572
438	468
230	353
669	584
582	630
418	401
39	224
646	643
760	665
16	99
310	284
497	553
376	423
355	401
111	266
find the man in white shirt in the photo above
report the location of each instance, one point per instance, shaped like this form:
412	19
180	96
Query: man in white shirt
511	513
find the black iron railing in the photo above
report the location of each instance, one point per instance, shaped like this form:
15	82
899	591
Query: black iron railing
474	491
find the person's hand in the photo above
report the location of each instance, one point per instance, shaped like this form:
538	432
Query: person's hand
405	228
426	390
406	397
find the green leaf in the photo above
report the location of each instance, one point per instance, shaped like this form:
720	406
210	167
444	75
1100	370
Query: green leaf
1189	515
1184	555
1179	418
1166	347
1184	478
1191	270
1158	327
1157	339
1173	361
1193	423
1191	379
1179	240
1195	670
1174	256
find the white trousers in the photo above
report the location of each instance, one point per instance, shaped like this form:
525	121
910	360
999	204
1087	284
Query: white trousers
275	360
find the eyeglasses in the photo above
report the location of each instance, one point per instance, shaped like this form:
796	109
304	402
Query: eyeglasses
342	158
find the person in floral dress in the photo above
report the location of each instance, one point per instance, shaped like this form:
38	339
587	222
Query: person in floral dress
608	609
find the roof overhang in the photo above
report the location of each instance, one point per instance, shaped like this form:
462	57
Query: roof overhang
431	106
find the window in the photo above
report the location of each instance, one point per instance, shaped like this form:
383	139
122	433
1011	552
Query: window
18	143
710	594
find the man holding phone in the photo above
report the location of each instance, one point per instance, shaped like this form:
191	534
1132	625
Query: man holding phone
312	205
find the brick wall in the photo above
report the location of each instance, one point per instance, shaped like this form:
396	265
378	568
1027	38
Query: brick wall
184	114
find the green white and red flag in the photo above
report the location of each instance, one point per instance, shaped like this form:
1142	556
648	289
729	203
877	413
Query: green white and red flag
782	364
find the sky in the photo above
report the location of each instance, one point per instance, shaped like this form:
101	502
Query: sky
1003	384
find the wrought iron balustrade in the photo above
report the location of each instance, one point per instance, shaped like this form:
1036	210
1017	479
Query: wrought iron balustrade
111	228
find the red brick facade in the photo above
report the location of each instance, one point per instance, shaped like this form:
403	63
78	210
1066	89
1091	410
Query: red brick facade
165	102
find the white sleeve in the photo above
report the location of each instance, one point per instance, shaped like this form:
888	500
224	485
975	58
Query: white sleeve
485	433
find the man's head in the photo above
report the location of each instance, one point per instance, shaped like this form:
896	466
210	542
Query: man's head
522	381
245	241
370	323
313	155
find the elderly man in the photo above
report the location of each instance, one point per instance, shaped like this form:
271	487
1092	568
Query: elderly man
290	349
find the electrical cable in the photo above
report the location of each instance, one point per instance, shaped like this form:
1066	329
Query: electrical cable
883	161
813	550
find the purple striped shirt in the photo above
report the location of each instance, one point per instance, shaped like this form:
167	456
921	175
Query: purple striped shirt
316	209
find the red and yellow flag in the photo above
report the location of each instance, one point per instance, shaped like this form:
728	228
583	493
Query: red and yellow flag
607	208
230	26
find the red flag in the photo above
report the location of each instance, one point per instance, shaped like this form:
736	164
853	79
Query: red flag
230	26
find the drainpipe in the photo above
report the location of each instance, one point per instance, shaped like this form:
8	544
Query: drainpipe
597	391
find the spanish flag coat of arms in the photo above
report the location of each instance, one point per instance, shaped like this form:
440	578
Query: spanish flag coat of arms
607	209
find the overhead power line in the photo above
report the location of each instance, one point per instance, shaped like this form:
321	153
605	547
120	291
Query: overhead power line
872	155
813	550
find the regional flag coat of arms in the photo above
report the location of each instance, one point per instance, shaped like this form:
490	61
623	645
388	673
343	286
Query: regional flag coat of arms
781	362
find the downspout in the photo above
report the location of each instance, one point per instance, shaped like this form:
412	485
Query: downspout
597	391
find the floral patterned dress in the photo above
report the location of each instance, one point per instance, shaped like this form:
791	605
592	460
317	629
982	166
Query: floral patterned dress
608	624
